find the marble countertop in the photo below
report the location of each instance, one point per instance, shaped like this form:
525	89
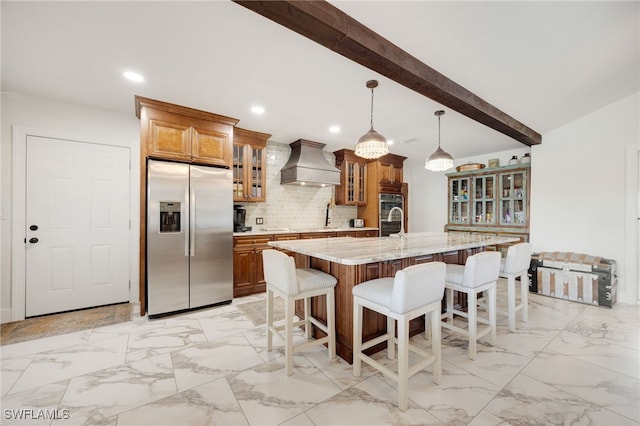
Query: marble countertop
358	251
276	230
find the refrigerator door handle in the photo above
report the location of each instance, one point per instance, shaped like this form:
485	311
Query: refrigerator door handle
186	232
192	221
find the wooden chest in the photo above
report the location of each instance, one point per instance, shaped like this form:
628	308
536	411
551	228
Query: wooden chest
574	276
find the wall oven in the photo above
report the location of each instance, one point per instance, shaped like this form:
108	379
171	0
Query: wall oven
388	202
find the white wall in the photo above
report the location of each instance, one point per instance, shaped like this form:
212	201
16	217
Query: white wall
584	186
63	119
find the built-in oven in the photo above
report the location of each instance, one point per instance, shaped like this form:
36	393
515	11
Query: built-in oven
387	203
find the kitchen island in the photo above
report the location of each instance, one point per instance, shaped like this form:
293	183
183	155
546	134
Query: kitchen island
356	260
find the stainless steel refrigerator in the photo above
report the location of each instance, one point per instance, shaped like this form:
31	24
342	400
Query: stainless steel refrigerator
189	236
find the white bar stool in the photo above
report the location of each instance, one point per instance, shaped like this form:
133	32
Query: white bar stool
415	291
284	280
516	264
479	274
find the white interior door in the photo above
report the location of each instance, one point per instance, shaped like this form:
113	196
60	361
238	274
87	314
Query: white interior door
77	225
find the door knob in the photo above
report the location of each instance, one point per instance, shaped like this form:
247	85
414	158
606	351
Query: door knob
33	240
34	227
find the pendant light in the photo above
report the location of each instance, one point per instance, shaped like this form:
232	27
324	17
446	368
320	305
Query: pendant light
372	144
439	161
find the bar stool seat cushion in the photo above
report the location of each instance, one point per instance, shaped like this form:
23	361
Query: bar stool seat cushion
377	291
312	279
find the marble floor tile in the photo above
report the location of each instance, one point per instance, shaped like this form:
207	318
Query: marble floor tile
72	361
23	408
618	325
231	321
165	337
529	401
597	351
459	396
212	403
371	402
102	394
204	362
268	396
597	385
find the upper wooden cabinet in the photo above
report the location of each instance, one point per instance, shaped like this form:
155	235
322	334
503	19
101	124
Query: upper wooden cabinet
249	165
386	172
174	132
352	190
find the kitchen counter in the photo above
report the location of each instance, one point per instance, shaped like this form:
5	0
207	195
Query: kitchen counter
278	230
360	251
356	260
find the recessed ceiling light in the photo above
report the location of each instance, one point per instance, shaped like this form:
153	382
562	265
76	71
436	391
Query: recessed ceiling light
257	109
334	129
133	76
390	141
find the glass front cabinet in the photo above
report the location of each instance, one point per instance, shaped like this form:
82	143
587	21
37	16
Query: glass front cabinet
490	200
249	165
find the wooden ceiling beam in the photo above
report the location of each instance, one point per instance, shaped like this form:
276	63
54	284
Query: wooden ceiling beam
329	26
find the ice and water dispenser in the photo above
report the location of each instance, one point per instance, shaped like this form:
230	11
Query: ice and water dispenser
170	216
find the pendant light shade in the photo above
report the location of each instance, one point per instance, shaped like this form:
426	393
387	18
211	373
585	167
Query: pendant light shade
372	144
440	160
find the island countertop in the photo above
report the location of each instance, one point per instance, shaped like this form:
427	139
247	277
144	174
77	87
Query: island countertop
359	251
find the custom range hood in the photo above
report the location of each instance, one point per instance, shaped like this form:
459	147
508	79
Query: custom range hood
308	166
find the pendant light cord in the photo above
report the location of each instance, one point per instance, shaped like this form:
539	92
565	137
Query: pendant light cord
372	107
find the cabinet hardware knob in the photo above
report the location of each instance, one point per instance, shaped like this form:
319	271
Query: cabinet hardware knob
33	240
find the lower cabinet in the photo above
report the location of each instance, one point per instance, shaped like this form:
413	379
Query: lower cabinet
248	274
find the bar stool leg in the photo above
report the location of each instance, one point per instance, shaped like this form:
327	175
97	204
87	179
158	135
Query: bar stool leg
472	312
289	312
511	302
524	295
331	323
357	337
492	313
391	333
307	311
403	362
436	345
269	319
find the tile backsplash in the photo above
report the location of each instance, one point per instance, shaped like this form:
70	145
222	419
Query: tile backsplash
294	206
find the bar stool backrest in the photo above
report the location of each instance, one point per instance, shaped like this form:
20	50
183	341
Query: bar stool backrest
280	271
481	268
417	285
518	258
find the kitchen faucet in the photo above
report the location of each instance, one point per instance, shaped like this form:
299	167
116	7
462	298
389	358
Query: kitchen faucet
401	233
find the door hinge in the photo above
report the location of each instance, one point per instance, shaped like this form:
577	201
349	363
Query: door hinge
129	285
129	225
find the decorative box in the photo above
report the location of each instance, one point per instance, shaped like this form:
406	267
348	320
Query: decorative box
574	276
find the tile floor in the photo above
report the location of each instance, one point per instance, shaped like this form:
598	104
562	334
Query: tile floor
570	364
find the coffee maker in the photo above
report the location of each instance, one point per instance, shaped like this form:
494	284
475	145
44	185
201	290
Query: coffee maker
239	216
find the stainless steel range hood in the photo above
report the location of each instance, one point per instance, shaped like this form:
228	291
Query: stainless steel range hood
308	166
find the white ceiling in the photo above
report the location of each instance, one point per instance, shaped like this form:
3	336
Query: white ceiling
544	63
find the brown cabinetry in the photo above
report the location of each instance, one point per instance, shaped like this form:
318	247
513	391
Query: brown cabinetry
248	273
353	178
249	165
386	171
384	176
174	132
